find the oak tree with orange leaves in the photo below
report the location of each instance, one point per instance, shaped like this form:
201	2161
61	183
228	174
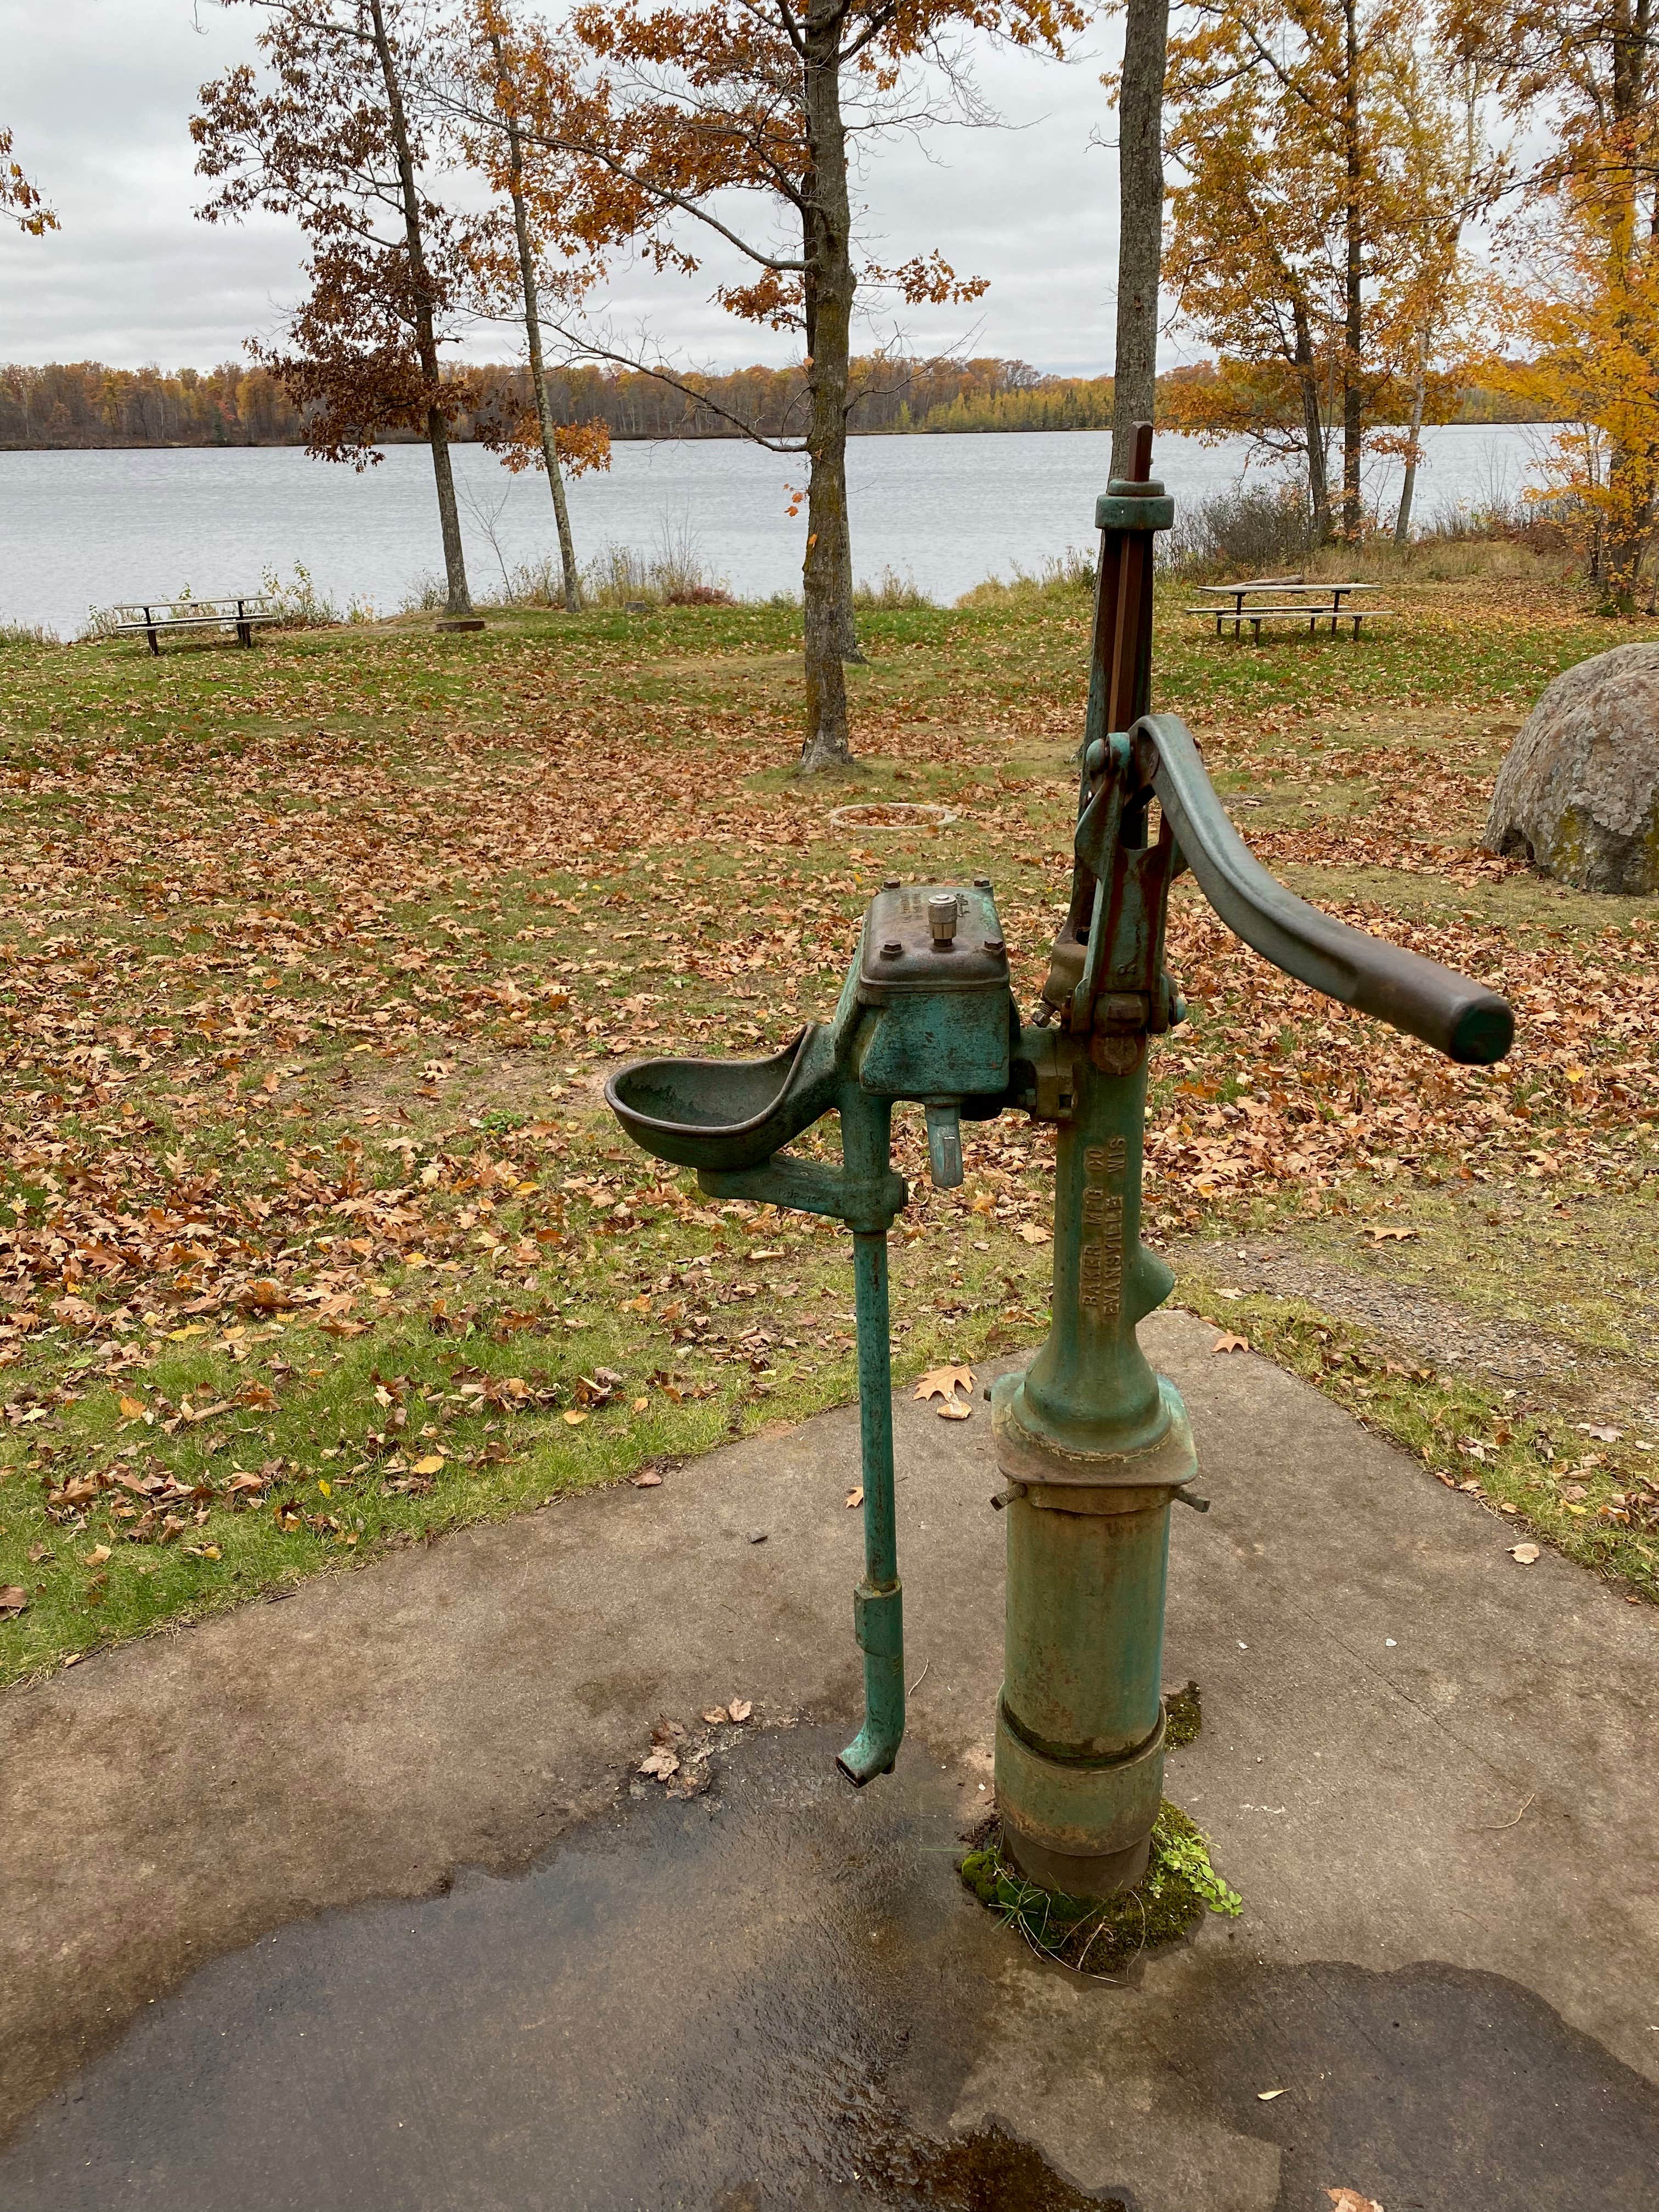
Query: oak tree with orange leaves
732	120
329	136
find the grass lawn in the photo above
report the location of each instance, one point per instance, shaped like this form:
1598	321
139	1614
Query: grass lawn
318	1237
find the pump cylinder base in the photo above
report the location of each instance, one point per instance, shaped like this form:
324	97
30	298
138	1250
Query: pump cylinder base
1083	1826
1078	1877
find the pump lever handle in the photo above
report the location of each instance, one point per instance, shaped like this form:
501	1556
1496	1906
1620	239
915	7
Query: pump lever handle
1455	1014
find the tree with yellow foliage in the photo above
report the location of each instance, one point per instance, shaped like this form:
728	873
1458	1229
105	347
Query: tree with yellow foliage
1316	225
1585	74
506	251
1434	323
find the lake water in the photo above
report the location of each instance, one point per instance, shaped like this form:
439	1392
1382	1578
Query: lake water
79	529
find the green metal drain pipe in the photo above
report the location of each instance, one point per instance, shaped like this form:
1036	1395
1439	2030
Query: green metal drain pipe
878	1600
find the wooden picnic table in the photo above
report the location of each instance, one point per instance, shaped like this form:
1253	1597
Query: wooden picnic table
147	617
1284	598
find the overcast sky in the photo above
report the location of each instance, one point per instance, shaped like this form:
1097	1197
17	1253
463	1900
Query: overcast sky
98	95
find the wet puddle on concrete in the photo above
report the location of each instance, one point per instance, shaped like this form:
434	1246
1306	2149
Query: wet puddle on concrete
778	1994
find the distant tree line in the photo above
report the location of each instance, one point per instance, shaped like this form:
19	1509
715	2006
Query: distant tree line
1379	213
84	405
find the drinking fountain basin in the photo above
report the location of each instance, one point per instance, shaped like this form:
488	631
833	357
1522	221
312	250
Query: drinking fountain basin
718	1116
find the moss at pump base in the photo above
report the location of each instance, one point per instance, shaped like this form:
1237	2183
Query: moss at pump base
1183	1718
1097	1936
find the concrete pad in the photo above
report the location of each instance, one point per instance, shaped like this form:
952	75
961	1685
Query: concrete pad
1422	1763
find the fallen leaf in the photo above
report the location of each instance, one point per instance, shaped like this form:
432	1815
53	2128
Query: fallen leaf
432	1464
1350	2200
648	1480
1523	1554
1266	2096
12	1601
132	1409
944	1381
575	1417
1230	1344
97	1555
954	1409
1602	1435
1031	1234
855	1498
661	1763
739	1709
640	1405
1381	1235
714	1716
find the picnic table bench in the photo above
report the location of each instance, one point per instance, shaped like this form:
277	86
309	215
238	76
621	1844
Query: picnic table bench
148	618
1284	598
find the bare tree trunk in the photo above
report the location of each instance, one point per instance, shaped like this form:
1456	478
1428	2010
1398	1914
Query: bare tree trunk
1630	483
459	601
1313	425
850	648
533	328
1140	222
1354	280
826	572
1402	521
847	631
572	582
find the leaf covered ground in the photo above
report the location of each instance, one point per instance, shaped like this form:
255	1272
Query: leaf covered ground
318	1237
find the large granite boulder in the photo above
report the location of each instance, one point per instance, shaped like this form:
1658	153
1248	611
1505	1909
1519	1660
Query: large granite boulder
1578	795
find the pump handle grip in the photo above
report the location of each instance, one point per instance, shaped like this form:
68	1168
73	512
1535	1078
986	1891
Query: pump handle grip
1452	1013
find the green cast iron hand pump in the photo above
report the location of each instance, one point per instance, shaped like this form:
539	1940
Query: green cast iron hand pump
1093	1446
